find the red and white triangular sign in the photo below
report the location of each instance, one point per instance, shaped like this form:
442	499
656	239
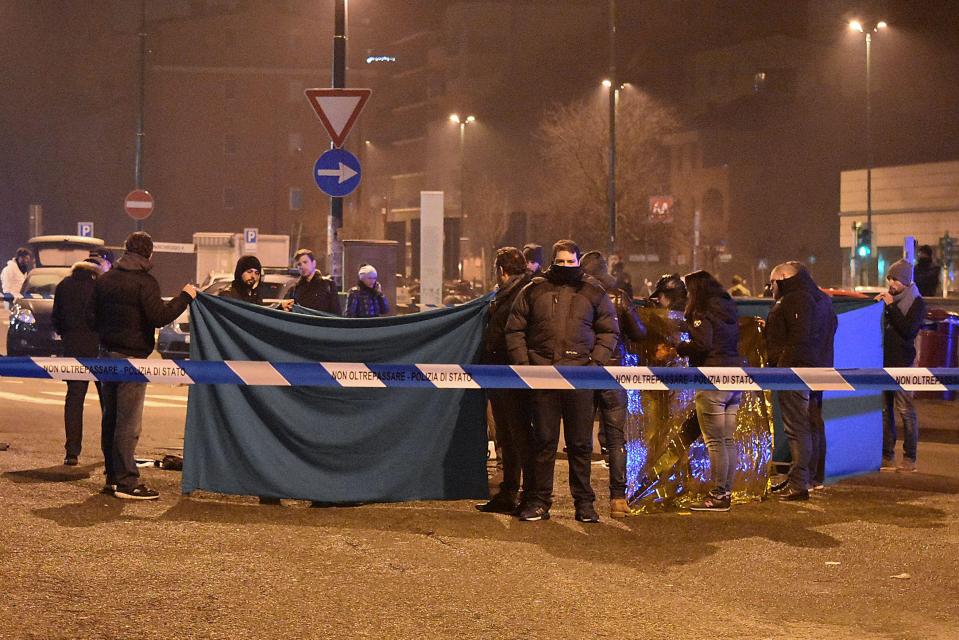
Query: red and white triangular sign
338	109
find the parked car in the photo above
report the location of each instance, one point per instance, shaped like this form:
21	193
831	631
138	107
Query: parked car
173	340
31	327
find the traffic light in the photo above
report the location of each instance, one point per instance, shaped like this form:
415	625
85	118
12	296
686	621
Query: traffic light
863	241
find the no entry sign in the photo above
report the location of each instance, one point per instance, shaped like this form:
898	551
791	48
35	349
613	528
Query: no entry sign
138	204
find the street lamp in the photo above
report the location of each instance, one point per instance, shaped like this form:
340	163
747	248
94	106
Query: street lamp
859	27
462	122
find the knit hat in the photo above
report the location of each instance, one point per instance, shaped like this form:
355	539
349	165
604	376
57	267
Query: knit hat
900	270
593	263
533	253
367	270
244	263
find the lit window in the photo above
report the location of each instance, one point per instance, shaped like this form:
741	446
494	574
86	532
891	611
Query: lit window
229	198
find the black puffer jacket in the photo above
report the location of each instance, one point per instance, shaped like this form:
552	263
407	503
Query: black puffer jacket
364	302
713	335
128	307
630	326
557	323
72	306
801	325
494	341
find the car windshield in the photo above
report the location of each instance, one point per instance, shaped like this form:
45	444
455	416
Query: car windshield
44	281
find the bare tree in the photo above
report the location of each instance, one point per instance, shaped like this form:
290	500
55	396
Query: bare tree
575	148
487	219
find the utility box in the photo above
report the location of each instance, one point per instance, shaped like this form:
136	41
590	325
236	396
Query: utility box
379	253
217	253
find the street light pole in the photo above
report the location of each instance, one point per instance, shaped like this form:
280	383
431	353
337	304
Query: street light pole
462	122
613	90
138	159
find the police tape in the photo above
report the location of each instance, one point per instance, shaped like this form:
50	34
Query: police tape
475	376
9	297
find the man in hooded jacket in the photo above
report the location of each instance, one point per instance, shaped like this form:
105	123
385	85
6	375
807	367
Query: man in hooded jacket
562	319
797	327
71	308
127	309
246	281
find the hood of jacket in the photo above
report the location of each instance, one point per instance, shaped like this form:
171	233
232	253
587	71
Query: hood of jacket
802	281
134	262
84	269
723	309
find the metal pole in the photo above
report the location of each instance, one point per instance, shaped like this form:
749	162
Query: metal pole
613	90
334	245
138	161
462	194
867	263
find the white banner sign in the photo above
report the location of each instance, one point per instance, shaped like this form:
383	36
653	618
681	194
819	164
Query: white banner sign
431	247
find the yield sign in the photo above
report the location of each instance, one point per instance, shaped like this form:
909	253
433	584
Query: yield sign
338	109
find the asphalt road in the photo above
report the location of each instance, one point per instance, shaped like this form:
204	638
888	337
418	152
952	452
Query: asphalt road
870	557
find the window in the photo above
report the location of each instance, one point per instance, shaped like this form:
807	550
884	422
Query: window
229	144
295	91
759	81
296	198
229	198
229	88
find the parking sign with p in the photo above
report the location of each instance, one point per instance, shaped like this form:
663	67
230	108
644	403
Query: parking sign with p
85	229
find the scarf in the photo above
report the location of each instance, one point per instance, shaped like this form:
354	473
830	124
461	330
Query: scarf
906	297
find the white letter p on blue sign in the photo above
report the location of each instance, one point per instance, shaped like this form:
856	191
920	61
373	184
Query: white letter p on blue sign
85	229
250	234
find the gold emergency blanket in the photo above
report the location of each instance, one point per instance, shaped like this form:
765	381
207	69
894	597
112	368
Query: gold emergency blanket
666	460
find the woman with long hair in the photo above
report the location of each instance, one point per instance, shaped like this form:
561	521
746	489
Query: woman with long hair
713	342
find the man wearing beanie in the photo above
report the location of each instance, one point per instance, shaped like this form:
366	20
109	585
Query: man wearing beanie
246	281
127	309
366	299
901	319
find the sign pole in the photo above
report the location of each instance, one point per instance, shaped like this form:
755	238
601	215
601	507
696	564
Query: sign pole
138	163
334	244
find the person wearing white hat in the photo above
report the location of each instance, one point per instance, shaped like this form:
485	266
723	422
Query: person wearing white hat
366	299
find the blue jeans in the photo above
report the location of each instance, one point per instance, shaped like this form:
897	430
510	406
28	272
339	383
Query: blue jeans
899	403
121	426
717	418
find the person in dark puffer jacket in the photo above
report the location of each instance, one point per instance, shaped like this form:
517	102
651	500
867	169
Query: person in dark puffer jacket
127	309
510	407
714	342
71	307
366	299
798	326
901	319
611	403
562	319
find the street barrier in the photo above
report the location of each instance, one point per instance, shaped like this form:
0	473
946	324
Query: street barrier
474	376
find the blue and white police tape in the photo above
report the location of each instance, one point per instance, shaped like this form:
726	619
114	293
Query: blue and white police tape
474	376
9	297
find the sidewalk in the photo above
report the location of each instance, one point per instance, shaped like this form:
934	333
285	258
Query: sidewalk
938	420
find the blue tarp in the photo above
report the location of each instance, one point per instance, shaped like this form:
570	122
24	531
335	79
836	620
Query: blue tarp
330	444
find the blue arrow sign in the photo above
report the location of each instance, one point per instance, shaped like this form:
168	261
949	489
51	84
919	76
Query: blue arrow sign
337	173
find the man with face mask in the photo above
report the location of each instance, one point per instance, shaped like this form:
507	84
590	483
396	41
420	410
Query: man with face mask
797	328
15	273
901	320
564	319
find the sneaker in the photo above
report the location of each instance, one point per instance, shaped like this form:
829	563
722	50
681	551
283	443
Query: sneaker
618	508
533	512
139	492
502	502
779	487
586	512
109	489
793	495
70	461
907	466
715	501
888	464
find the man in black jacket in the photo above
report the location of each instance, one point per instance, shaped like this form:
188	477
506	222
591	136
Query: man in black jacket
246	281
511	411
612	402
562	319
127	309
313	290
927	272
796	328
901	320
71	309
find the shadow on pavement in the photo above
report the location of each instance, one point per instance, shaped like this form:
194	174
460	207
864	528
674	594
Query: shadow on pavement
922	482
647	542
97	509
58	473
